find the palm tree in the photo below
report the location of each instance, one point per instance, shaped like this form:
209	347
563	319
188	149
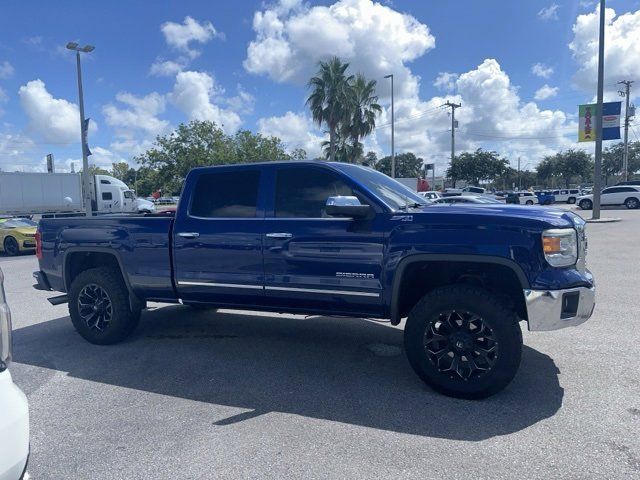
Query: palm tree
330	98
362	115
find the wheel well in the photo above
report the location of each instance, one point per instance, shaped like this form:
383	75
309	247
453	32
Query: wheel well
629	198
78	262
421	277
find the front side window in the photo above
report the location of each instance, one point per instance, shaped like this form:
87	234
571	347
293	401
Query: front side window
226	194
128	194
303	192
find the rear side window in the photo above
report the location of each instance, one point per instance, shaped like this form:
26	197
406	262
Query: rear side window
303	192
107	196
226	195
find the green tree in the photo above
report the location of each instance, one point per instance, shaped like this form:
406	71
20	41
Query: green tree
361	118
331	97
370	159
203	143
547	171
407	165
120	170
474	167
572	165
95	170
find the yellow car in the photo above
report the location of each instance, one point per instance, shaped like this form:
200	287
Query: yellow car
17	235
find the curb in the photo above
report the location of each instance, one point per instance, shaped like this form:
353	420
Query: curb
603	220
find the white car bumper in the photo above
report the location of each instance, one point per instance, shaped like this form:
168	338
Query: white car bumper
14	429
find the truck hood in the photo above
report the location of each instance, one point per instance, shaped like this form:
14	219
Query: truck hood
496	214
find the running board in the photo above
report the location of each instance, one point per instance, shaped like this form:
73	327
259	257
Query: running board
59	300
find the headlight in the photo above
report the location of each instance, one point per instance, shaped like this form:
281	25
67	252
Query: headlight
560	246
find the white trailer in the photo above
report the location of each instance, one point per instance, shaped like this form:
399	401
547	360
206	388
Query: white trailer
61	194
29	193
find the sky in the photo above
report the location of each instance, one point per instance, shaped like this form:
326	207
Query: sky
519	69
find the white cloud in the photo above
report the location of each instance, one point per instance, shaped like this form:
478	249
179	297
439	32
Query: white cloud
445	81
194	94
15	152
241	103
181	35
373	38
6	70
622	49
54	119
140	113
167	68
549	13
541	70
296	130
545	92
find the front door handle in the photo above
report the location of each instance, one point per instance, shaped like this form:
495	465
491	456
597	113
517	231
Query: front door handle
280	235
188	234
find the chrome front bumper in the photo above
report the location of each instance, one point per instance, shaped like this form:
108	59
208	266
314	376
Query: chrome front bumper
555	309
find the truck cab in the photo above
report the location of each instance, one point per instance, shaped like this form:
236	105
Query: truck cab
112	195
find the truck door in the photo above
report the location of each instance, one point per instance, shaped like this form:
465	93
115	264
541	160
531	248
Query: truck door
217	238
314	261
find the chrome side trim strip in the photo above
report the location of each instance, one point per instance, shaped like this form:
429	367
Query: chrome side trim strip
223	285
318	290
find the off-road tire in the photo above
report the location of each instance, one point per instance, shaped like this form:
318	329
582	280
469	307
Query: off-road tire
123	320
496	314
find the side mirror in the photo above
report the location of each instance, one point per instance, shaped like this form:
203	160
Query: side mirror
346	206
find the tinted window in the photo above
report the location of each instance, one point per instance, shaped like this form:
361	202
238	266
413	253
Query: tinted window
476	190
107	196
574	191
303	192
128	194
105	182
613	190
226	195
627	189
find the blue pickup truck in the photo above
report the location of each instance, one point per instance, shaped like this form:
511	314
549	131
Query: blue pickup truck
333	239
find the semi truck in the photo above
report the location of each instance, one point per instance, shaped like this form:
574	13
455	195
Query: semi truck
43	193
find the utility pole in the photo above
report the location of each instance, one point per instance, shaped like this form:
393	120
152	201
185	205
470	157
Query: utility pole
625	161
393	128
519	181
597	171
84	124
453	107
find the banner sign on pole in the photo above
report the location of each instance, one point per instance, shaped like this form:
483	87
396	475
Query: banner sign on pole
610	121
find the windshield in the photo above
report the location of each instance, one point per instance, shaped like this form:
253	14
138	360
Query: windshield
392	193
17	223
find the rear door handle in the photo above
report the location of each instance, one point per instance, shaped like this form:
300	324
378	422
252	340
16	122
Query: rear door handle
188	234
280	235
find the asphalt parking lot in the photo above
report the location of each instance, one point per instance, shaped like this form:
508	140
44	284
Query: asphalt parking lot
249	395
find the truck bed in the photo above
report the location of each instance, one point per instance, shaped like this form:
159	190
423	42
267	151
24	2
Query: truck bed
141	245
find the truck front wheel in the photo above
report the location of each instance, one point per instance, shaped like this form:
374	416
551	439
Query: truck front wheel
463	341
99	306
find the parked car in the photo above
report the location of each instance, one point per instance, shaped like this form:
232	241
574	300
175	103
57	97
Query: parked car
545	197
333	239
164	201
17	235
522	198
566	195
14	408
467	199
145	206
430	195
624	195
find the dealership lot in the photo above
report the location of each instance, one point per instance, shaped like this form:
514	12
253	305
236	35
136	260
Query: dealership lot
252	395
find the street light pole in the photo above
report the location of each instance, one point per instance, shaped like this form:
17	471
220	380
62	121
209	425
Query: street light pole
393	151
597	172
86	184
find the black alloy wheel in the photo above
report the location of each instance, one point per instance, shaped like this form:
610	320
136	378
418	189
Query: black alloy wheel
95	307
461	345
11	246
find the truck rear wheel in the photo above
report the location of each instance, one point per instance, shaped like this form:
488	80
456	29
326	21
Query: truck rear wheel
463	341
99	306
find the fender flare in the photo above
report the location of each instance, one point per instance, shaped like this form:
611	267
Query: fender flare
436	257
134	301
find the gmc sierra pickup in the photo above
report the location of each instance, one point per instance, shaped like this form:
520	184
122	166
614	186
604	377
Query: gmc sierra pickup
333	239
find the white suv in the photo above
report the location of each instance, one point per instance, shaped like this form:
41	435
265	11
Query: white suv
567	195
626	195
14	409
